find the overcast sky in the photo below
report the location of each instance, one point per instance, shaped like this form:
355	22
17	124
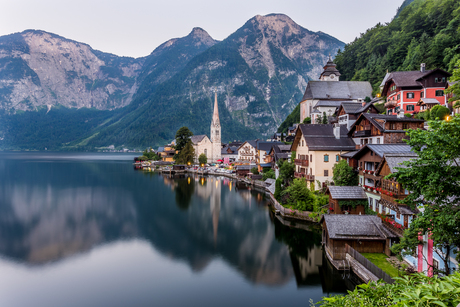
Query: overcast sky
136	27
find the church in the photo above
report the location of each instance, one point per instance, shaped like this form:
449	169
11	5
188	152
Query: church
328	93
210	147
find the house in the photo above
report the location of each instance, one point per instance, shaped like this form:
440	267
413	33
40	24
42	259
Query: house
329	89
318	148
372	128
348	112
202	145
404	89
278	153
346	200
243	170
247	152
230	153
364	233
167	153
263	159
427	103
368	159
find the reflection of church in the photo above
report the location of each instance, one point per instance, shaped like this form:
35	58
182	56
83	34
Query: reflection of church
210	147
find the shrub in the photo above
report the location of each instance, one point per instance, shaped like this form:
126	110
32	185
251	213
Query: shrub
299	196
255	171
439	112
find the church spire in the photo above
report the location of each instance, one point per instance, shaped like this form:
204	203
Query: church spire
215	115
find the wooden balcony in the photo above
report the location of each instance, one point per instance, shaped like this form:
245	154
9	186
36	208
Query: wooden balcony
301	162
391	104
302	175
362	133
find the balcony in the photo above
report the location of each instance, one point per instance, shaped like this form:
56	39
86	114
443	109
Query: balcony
362	133
302	175
301	162
391	104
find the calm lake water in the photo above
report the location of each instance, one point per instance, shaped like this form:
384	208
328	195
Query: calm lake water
80	229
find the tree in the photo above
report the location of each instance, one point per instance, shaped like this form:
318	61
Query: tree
439	112
455	88
182	137
286	171
307	120
186	155
268	174
278	188
202	159
433	182
255	171
299	196
344	175
324	118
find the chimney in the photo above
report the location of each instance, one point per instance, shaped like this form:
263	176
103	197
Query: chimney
401	113
336	131
422	67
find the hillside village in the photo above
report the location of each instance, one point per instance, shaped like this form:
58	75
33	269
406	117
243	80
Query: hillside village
342	123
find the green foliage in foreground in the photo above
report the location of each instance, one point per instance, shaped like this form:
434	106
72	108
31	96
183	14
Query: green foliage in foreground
343	174
299	196
414	290
202	159
268	174
380	260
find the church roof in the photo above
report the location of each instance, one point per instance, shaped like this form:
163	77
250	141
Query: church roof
335	90
215	115
330	68
197	138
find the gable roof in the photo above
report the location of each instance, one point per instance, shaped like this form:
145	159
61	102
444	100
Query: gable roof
424	101
409	78
266	146
345	192
383	149
356	107
253	143
197	138
348	226
321	137
375	118
344	90
395	159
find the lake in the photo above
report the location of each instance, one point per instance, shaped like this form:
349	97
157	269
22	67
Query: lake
87	229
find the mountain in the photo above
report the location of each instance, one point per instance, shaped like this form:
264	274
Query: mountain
424	31
259	73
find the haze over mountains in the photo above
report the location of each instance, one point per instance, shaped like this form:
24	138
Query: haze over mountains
259	73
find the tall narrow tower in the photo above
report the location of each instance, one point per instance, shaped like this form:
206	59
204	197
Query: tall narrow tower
216	133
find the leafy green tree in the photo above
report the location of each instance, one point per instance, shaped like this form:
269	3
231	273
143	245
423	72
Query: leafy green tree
151	155
432	180
182	137
278	188
287	171
344	175
268	174
255	171
186	155
307	120
455	88
299	196
202	159
439	112
324	118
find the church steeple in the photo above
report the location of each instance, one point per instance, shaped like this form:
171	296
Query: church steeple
330	72
215	115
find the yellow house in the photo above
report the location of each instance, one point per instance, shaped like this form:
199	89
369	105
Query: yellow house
318	148
167	153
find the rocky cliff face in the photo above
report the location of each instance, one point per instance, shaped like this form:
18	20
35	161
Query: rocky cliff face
42	69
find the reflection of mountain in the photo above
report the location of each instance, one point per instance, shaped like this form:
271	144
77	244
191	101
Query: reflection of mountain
49	211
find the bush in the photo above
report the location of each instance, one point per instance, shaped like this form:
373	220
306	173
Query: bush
202	159
268	174
299	196
439	112
255	171
277	194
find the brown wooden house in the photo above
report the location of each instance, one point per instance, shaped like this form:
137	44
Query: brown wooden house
346	200
364	233
348	112
382	129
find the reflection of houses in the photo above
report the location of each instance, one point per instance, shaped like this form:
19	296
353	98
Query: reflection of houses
318	148
364	233
346	200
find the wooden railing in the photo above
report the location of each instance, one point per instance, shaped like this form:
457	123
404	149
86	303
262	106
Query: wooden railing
369	265
398	231
301	162
302	175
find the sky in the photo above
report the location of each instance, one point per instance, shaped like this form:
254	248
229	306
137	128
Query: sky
136	27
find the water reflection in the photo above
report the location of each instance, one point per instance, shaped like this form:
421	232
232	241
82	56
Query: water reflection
50	211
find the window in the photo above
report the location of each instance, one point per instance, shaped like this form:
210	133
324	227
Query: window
435	266
405	126
436	80
410	107
326	172
206	152
443	79
337	158
217	132
377	206
326	158
378	140
410	95
311	158
392	126
370	141
439	93
302	143
421	94
372	153
398	215
399	96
